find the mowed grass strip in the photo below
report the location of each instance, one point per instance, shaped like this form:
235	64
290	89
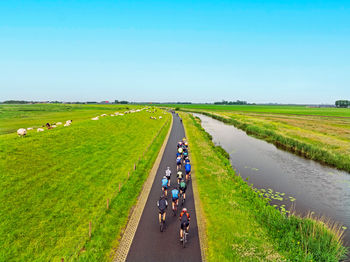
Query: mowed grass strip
240	225
53	183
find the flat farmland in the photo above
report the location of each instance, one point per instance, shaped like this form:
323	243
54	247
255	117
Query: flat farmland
53	183
322	134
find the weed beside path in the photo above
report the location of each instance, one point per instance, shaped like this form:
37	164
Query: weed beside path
242	226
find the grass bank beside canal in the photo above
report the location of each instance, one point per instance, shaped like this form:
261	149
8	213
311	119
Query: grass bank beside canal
242	226
323	139
53	183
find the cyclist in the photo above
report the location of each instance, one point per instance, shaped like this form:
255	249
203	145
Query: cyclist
162	206
165	185
168	175
179	176
187	160
183	187
185	153
188	170
185	222
180	150
175	198
178	163
179	144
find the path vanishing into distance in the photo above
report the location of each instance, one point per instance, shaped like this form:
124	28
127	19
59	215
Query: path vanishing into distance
149	244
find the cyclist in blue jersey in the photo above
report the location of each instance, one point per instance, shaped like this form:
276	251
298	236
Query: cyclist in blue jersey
175	197
188	170
187	160
165	185
178	163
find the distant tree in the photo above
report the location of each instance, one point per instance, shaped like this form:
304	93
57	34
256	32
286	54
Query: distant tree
342	103
238	102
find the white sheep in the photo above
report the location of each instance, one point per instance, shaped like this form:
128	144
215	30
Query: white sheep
53	126
69	122
29	128
21	132
103	115
40	130
58	123
95	118
66	124
121	114
160	117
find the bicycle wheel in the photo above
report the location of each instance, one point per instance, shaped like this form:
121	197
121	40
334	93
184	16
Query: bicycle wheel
161	226
184	240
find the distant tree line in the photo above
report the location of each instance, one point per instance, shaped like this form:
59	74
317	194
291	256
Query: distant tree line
238	102
123	102
17	102
342	103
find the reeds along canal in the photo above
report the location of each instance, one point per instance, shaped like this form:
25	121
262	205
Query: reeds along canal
287	179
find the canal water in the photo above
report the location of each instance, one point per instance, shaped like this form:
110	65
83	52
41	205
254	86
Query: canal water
303	183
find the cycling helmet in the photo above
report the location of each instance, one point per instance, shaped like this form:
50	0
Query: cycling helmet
184	209
164	177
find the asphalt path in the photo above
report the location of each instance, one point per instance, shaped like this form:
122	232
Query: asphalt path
149	244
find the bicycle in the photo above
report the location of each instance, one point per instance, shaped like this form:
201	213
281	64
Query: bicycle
182	198
175	208
184	240
162	224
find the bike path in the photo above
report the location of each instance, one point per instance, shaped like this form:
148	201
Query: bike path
149	244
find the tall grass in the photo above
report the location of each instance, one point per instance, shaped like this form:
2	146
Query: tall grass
241	225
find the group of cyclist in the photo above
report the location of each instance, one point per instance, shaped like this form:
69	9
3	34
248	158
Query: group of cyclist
179	190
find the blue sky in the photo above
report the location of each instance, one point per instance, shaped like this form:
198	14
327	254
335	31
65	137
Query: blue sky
200	51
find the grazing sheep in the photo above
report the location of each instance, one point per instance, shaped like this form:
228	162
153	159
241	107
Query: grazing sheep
66	124
69	121
53	126
21	132
121	114
48	126
95	118
58	123
160	117
40	130
29	128
103	115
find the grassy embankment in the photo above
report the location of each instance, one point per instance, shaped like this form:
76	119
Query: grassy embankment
13	117
55	182
240	225
322	138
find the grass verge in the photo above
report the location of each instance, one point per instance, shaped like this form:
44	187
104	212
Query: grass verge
240	224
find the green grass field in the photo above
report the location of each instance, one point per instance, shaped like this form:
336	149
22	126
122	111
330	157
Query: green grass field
13	117
240	225
55	182
315	133
278	109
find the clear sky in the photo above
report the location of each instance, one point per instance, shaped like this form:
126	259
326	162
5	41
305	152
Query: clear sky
288	51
